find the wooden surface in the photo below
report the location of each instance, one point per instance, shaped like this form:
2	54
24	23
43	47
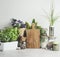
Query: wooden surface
33	38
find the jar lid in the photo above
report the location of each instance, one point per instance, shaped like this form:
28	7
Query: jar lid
55	43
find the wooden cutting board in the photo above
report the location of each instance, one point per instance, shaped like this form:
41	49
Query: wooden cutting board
33	38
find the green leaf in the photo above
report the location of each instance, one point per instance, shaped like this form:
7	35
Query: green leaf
33	21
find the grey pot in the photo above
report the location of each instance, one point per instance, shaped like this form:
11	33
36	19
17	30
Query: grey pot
51	31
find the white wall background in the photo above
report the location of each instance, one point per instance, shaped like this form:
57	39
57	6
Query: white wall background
26	10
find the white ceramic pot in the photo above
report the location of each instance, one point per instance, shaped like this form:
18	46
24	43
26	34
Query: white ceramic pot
8	46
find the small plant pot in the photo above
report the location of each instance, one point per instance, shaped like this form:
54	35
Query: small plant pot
55	46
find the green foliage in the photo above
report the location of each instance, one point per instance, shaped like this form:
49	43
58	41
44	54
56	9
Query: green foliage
52	19
8	34
27	25
42	32
33	21
38	27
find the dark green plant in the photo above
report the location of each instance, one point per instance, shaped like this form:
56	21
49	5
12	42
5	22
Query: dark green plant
33	21
1	35
42	33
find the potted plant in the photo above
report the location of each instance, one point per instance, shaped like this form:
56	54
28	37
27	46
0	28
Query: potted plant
52	19
8	38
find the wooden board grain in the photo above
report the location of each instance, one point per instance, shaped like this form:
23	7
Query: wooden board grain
33	38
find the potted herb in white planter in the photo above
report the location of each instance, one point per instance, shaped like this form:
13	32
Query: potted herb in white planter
9	35
8	38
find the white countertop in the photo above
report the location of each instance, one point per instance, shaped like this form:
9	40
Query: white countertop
30	53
